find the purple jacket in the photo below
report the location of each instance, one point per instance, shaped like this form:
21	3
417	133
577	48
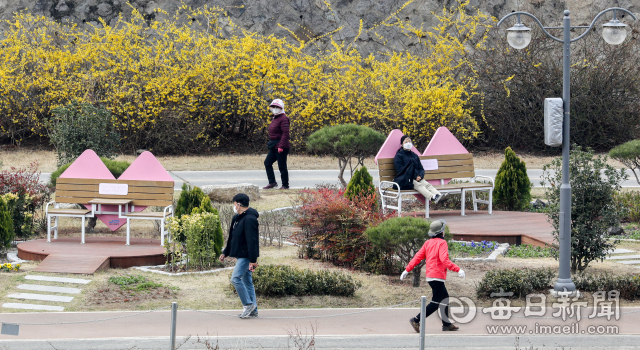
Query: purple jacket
279	130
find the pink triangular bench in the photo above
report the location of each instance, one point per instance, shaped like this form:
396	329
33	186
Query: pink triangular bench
452	161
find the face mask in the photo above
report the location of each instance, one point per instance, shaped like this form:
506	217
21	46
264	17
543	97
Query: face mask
407	146
235	210
275	111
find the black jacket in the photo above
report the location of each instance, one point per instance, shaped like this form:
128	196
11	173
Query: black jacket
244	236
408	168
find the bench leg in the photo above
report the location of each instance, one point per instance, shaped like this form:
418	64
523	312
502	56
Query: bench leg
463	202
426	207
399	205
55	228
475	204
82	239
128	230
162	233
48	228
490	202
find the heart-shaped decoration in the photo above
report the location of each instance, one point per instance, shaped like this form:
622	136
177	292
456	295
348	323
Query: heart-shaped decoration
89	166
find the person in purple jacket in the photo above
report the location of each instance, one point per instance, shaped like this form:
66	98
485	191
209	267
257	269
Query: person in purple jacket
278	145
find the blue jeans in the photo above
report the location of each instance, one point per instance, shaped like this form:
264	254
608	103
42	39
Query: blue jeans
243	282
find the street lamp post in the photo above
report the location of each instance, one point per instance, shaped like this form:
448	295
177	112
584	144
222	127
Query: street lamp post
519	37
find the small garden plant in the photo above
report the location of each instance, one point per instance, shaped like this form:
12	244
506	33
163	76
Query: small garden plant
529	251
130	288
472	249
9	267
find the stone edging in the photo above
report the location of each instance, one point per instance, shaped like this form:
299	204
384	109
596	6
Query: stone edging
151	269
491	258
13	257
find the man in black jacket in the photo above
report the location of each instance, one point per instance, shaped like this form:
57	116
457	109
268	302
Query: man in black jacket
410	172
243	244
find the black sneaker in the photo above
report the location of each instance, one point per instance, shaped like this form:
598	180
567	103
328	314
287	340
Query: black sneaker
436	198
450	328
415	325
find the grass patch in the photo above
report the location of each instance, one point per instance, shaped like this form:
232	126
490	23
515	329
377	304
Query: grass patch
525	251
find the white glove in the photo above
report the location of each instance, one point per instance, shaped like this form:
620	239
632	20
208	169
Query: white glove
461	273
404	274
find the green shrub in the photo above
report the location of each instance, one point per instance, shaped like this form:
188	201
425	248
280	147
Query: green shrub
282	280
361	184
404	236
192	198
594	184
529	251
6	226
346	142
628	285
513	188
518	281
629	155
77	127
629	205
116	167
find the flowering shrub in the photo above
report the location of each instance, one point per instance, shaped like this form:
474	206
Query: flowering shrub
333	229
24	195
168	93
203	243
9	267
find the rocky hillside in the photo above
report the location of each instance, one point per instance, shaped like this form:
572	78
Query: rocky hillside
310	18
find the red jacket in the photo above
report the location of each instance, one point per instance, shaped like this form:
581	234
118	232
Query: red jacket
436	251
279	130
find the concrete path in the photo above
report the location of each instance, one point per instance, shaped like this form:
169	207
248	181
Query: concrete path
378	329
303	178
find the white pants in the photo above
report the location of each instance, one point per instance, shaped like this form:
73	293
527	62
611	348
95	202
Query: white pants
425	189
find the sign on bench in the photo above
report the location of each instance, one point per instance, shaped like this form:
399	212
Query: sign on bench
113	189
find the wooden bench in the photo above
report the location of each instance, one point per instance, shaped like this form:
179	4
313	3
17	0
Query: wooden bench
450	166
87	191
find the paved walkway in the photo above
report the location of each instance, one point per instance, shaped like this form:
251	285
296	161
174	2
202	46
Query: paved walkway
302	178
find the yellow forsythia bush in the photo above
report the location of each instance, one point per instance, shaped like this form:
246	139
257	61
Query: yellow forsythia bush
179	85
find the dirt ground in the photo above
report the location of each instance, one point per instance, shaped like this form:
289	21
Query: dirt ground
47	161
212	291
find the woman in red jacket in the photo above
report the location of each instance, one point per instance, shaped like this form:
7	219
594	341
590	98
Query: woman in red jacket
436	252
278	145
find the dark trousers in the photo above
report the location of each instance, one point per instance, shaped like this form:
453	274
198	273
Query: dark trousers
281	157
439	294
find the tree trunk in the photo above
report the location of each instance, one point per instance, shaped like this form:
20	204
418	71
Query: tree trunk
343	165
91	224
416	275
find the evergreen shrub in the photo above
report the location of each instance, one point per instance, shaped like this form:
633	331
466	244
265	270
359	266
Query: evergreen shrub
6	226
404	236
628	284
629	155
283	280
76	127
345	142
512	187
518	281
361	184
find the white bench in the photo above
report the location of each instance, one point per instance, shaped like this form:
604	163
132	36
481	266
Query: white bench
450	166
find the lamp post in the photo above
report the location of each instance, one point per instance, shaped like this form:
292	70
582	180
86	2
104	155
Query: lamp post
519	36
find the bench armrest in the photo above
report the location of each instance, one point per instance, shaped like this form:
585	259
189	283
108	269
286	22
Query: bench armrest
488	178
382	192
170	208
46	207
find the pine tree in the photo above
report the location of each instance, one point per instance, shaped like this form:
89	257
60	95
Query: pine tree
512	188
6	226
361	184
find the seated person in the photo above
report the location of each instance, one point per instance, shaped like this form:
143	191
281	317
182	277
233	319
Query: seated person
410	172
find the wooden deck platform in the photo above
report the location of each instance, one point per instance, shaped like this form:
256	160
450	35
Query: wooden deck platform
141	252
511	227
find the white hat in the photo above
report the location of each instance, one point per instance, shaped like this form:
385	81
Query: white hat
278	103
